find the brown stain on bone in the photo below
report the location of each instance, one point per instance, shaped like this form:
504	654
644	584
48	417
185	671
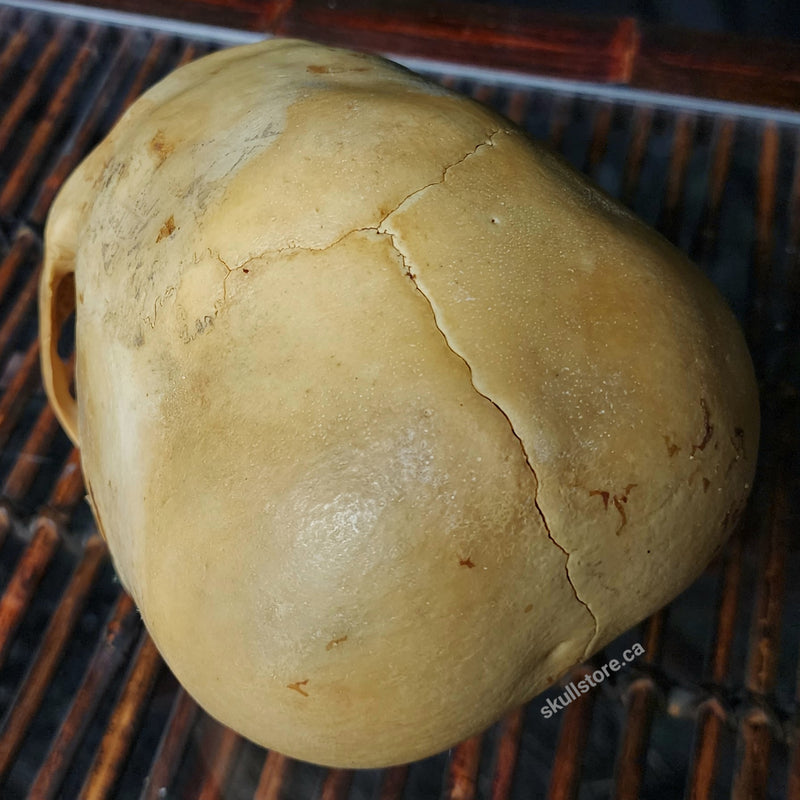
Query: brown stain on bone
706	484
167	229
600	493
298	687
327	69
619	501
335	642
708	431
618	505
161	148
528	608
466	562
672	448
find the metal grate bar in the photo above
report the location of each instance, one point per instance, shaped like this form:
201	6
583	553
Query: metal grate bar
336	785
712	712
31	455
33	85
463	769
18	391
22	308
221	746
27	166
171	747
275	771
758	726
643	697
642	123
24	245
601	128
121	729
76	145
708	229
762	260
22	586
672	209
117	638
147	71
54	641
37	556
573	737
19	41
559	120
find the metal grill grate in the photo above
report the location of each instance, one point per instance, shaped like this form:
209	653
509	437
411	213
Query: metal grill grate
710	711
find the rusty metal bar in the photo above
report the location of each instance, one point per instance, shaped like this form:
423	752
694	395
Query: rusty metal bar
146	71
23	173
633	751
190	52
566	775
111	650
18	391
171	746
69	489
484	93
462	774
757	726
273	775
336	785
518	106
22	586
32	691
110	758
31	456
37	555
76	145
643	698
31	89
22	308
24	242
559	119
711	722
711	716
507	753
642	125
218	764
18	42
601	127
762	256
676	179
393	783
721	146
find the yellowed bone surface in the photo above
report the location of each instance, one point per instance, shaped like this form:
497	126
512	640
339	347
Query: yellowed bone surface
388	417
